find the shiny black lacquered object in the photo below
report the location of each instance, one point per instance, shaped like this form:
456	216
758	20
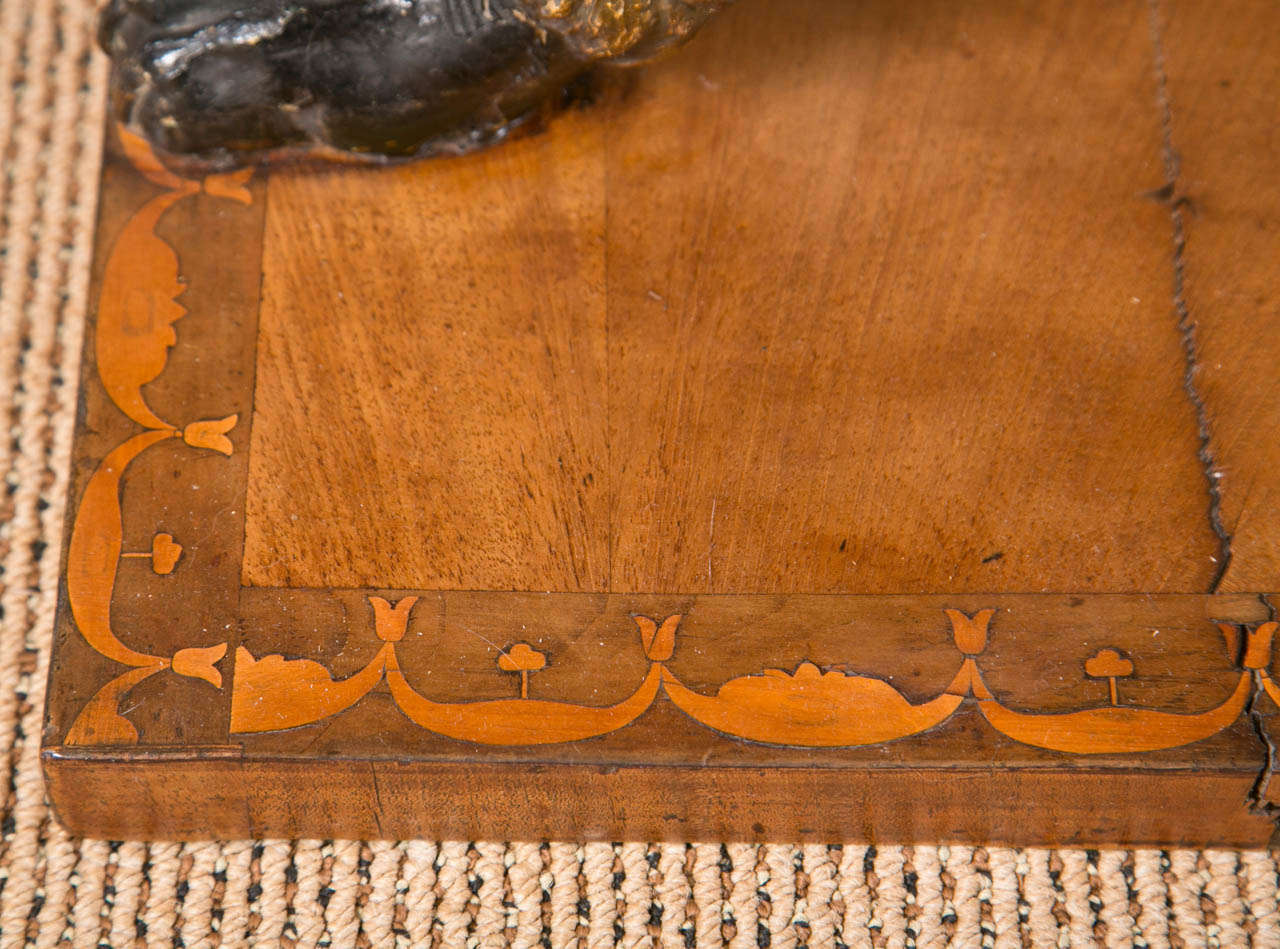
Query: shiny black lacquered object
219	83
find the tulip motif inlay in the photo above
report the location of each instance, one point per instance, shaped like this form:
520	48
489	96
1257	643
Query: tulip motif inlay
806	706
133	333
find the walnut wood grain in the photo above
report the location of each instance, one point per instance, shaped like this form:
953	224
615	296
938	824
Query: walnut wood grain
835	301
895	315
670	769
699	467
1223	80
454	388
223	796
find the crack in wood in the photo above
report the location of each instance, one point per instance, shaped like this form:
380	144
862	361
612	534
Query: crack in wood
1186	326
1257	800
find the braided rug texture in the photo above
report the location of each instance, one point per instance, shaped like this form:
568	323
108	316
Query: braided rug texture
55	889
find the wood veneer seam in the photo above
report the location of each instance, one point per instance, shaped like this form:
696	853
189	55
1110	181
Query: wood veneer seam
77	869
1186	325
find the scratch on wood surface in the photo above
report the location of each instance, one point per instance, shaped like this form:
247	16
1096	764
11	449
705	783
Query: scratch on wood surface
711	544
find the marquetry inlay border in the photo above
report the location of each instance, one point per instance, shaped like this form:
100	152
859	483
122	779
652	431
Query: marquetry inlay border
806	706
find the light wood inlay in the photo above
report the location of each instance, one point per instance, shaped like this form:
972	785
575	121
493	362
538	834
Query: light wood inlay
849	298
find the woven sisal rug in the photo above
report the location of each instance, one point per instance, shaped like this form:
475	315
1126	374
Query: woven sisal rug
55	889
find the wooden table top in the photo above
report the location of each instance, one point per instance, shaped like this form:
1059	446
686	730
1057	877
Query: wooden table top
872	399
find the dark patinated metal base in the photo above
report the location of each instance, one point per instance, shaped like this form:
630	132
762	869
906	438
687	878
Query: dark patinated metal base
223	82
